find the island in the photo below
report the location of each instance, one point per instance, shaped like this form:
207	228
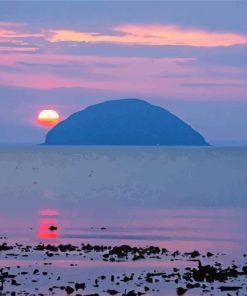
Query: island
125	122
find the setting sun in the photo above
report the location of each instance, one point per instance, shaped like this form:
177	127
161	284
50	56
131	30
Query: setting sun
48	118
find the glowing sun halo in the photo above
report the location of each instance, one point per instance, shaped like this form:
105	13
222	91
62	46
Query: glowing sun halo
48	118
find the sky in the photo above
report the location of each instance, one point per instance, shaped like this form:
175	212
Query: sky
189	57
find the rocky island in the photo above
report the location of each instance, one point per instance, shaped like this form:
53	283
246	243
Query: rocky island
128	122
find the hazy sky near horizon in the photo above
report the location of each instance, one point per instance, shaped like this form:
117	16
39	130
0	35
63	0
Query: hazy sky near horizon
187	56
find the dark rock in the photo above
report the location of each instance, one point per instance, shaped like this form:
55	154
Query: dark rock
244	269
69	290
130	293
5	247
227	288
138	257
14	283
121	251
191	286
112	292
181	291
193	254
80	286
127	279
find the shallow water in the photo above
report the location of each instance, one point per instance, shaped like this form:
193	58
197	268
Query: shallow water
220	230
178	198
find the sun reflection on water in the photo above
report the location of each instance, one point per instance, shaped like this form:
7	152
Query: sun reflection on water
48	224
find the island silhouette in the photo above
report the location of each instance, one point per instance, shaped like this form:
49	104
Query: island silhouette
126	122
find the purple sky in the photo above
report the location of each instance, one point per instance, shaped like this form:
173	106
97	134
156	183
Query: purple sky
189	57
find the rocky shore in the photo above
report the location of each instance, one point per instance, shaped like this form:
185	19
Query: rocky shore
200	273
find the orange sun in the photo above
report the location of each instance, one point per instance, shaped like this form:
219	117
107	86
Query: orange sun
48	118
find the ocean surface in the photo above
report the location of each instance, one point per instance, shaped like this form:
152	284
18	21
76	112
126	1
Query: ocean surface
178	198
183	197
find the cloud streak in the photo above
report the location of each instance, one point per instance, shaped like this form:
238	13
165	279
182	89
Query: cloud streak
13	37
142	34
18	49
6	33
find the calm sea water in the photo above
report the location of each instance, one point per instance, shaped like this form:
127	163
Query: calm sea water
182	198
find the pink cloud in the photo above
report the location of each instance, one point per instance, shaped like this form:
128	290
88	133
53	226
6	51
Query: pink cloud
6	33
18	49
132	34
12	33
141	34
168	77
11	24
